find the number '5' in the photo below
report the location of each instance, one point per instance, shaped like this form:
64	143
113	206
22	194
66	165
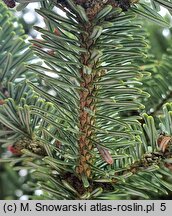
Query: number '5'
163	206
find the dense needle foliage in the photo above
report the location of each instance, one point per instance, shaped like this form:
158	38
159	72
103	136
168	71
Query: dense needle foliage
86	109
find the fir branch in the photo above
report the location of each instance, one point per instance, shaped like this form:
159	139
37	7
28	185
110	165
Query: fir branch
77	139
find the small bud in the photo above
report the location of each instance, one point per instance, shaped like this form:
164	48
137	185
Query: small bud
56	32
58	144
14	150
2	101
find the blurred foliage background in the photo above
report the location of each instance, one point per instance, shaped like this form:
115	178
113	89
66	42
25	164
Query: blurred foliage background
13	182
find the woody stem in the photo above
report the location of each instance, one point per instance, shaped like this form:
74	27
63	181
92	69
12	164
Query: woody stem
87	105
